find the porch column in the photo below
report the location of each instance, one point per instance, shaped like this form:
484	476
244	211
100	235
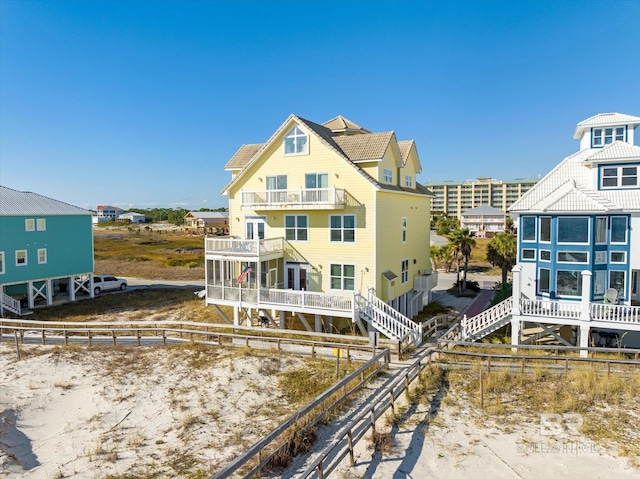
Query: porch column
318	323
515	311
236	316
330	324
585	312
71	289
49	291
282	319
30	294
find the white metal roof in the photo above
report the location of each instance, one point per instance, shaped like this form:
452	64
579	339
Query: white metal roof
616	151
23	203
605	119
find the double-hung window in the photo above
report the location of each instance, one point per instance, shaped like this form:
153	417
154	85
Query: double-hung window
342	228
29	224
408	181
296	227
404	230
42	255
387	176
405	271
343	277
1	262
41	224
296	142
21	257
619	177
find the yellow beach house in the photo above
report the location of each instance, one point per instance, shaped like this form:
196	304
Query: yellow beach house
328	228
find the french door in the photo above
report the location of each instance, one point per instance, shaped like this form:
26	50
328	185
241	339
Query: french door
297	276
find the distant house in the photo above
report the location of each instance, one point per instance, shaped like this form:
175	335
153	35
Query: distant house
484	221
206	221
107	213
132	217
46	248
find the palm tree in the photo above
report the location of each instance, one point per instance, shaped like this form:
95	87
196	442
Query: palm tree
463	242
502	252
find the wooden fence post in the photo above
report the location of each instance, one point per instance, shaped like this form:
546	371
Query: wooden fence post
113	337
15	333
481	389
350	441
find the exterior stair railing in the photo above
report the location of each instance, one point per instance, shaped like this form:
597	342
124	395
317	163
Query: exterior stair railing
485	323
10	304
385	319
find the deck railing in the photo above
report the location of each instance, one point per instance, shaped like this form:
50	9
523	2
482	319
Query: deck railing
239	247
274	298
614	312
554	309
305	197
10	303
477	324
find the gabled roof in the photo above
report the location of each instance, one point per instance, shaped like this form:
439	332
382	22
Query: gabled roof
22	203
357	148
605	119
106	207
484	210
362	148
567	189
406	146
243	156
340	124
208	215
616	151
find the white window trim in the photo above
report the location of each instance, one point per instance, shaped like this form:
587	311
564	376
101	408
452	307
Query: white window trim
600	257
40	259
624	284
624	255
404	229
539	232
387	175
29	224
342	229
588	242
571	262
535	236
596	273
291	134
626	230
522	258
404	273
619	176
296	228
316	175
2	268
43	222
342	277
606	230
544	293
408	181
563	295
545	260
26	257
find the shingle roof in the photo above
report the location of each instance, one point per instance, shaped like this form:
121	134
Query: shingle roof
209	214
605	119
484	210
371	146
243	156
22	203
340	123
352	148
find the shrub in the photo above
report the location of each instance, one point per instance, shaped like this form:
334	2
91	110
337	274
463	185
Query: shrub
502	292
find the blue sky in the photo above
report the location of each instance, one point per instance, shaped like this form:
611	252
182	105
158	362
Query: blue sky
141	103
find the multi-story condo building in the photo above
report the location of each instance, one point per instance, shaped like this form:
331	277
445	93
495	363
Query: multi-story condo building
454	198
46	246
329	221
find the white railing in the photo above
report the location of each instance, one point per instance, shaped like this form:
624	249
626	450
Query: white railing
425	282
471	327
302	197
616	313
388	320
238	247
282	298
552	309
10	303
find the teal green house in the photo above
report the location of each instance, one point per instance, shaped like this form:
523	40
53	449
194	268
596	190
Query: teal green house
46	250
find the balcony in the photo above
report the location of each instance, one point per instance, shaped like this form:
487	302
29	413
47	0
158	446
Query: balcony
237	248
298	199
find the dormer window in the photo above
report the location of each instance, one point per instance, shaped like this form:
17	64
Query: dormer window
606	136
387	176
619	177
296	142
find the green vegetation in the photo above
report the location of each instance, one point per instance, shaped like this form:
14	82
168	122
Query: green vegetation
502	252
